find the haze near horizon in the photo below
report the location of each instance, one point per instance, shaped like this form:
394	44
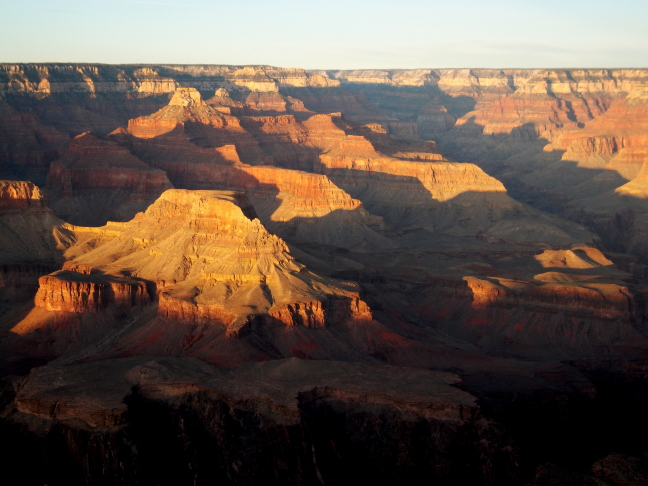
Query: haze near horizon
329	35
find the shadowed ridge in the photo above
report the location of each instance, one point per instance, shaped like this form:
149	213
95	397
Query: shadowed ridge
97	180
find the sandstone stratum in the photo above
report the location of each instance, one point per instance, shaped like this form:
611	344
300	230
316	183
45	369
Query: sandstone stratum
222	273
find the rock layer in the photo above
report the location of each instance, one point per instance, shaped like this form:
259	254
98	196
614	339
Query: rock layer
223	265
74	292
307	414
93	173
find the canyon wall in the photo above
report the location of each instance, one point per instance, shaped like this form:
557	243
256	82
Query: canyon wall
491	223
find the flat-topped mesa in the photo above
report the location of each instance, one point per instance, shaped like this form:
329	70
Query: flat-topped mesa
440	180
225	266
561	293
279	406
20	195
68	291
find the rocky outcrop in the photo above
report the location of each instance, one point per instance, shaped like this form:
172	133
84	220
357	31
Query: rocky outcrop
67	291
621	470
97	180
31	233
45	79
225	266
191	312
27	145
20	195
598	300
316	315
93	163
32	240
306	420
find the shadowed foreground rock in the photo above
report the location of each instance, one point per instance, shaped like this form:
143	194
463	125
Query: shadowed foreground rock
181	421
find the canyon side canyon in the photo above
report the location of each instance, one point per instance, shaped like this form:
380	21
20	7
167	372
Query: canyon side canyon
244	274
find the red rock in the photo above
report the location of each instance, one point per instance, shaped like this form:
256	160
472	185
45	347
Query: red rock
27	145
20	195
225	267
93	163
93	169
74	292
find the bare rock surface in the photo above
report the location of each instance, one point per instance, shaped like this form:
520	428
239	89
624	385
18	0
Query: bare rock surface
306	414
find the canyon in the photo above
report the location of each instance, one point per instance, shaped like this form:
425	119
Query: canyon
222	273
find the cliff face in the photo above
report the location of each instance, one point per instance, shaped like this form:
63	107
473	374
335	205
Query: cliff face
18	195
70	291
27	144
558	139
393	178
45	79
224	266
296	205
306	414
93	171
31	231
315	218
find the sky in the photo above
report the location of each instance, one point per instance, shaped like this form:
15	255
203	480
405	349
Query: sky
333	34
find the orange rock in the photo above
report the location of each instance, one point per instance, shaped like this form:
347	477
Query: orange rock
20	195
215	265
93	163
75	292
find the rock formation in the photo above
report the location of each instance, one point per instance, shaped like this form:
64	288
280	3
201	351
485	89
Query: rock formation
28	146
290	421
60	78
30	231
94	172
370	225
210	263
69	291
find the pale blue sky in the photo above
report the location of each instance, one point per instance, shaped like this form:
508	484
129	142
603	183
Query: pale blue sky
330	34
